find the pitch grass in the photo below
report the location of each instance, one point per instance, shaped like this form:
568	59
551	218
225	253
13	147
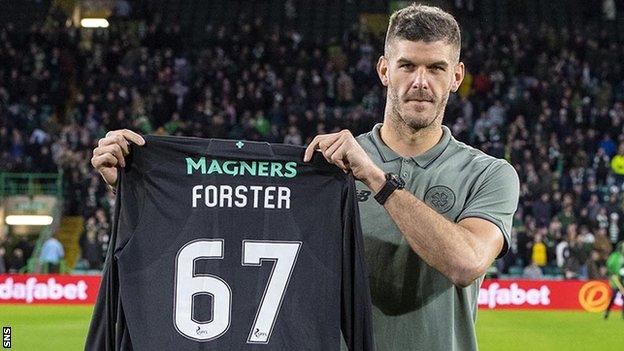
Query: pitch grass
44	327
549	330
64	328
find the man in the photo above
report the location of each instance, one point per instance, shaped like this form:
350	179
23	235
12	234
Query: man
51	254
617	166
2	258
447	208
615	272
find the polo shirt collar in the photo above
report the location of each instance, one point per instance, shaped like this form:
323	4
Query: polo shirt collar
424	160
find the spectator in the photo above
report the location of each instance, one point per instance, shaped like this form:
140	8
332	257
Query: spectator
538	250
345	88
602	218
51	255
579	254
496	113
2	260
602	244
555	230
90	247
567	217
617	166
608	145
593	207
17	261
562	253
532	271
609	10
122	9
293	137
595	266
542	210
601	163
614	227
585	236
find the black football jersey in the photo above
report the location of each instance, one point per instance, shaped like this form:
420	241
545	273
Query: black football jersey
232	245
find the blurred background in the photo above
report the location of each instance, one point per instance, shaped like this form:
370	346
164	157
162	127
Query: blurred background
544	89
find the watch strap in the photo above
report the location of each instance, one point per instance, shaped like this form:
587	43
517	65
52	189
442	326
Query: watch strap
388	188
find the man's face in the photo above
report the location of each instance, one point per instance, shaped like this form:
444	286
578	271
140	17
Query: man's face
419	77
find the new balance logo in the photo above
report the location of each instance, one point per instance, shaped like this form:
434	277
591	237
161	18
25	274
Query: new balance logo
362	195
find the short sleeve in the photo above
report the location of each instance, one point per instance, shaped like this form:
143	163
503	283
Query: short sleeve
495	198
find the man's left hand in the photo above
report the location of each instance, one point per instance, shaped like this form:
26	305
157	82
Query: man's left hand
342	150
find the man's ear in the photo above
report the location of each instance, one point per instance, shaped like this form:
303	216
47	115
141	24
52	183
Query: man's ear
382	70
458	76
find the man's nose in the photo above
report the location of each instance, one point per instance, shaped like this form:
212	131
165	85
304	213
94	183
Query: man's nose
419	80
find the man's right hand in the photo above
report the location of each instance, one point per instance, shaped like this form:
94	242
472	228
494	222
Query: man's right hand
111	151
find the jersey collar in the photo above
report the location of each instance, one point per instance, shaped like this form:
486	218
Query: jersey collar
424	160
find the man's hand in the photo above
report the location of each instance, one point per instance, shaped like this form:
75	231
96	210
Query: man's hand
111	151
342	150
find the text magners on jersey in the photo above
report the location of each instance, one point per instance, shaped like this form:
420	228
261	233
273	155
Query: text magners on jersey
232	245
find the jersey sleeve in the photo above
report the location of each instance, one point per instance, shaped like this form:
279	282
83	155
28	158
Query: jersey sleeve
108	330
101	334
495	198
356	320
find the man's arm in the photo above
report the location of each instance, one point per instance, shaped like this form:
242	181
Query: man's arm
462	252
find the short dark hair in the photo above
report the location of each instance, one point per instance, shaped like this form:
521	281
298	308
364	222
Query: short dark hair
423	23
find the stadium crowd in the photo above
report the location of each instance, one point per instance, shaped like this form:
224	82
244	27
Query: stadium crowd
549	101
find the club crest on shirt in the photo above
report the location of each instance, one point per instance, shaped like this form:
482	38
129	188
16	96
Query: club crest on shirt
440	198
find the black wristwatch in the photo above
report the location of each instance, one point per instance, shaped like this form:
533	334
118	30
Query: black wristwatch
393	182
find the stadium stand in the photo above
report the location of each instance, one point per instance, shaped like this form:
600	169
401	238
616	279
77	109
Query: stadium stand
553	105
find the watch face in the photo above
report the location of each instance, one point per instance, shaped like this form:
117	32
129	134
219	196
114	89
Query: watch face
398	181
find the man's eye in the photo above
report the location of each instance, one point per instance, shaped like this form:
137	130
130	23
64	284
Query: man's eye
407	65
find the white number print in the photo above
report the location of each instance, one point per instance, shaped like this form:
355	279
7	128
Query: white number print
188	284
284	254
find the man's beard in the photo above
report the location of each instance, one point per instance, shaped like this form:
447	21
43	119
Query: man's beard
414	120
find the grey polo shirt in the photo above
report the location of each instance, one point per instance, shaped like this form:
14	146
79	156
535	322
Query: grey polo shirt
415	306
